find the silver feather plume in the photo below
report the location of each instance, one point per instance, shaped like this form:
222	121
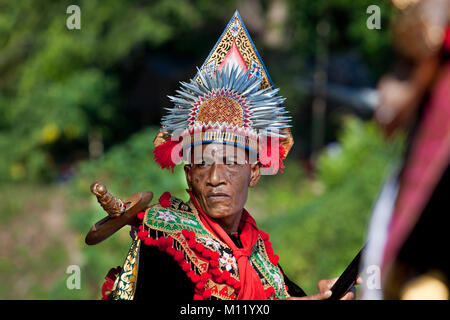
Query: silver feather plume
265	110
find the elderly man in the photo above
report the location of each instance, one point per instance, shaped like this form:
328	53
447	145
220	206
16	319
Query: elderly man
228	124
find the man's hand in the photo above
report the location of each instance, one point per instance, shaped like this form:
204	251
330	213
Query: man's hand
109	225
324	287
398	102
400	99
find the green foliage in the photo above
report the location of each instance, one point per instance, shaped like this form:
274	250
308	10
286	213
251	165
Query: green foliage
347	30
355	156
34	253
56	84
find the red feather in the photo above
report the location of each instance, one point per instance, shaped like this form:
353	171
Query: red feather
166	156
269	159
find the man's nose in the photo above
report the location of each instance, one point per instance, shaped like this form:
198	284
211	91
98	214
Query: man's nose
216	175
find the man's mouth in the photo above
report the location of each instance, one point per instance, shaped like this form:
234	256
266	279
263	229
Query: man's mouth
217	196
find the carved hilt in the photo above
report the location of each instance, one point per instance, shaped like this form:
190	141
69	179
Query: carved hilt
112	205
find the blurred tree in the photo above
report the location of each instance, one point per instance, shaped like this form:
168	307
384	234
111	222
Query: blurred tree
58	87
357	57
347	27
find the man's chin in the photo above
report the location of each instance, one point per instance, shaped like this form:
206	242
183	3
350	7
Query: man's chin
218	211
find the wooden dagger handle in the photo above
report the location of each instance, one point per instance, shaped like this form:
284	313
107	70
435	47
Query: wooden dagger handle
112	205
125	212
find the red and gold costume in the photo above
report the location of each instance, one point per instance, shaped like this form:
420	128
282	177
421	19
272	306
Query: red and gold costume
207	255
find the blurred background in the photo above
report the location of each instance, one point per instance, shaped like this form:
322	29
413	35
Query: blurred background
83	105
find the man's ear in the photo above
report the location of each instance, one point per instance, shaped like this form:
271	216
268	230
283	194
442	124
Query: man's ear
187	172
255	174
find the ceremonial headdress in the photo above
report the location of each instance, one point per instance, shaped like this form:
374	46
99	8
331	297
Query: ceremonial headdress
231	100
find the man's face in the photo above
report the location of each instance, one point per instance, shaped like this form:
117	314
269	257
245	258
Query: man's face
219	177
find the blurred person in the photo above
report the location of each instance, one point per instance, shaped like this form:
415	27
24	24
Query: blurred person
229	125
407	234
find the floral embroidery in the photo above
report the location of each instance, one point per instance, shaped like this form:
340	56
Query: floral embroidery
277	279
166	216
228	261
211	242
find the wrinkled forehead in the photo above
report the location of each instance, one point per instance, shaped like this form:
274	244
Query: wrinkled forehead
218	153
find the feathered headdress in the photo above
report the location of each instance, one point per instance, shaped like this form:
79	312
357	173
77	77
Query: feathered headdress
231	100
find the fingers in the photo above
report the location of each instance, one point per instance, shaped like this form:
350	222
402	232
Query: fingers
331	282
350	294
326	284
